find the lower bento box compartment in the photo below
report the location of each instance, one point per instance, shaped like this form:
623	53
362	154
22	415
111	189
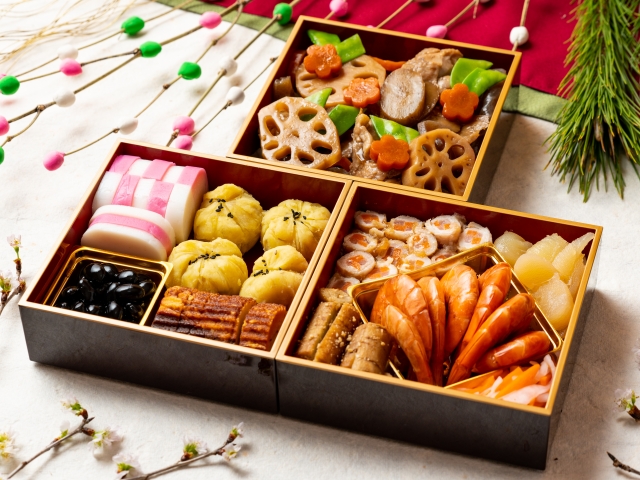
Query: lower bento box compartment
133	350
405	410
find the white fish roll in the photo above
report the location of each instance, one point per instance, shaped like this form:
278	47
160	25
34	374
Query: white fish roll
446	228
395	253
413	262
423	243
356	264
342	283
402	227
130	231
381	270
106	190
443	254
360	241
472	235
365	221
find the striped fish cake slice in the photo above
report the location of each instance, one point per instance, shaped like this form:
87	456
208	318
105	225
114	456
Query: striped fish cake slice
317	329
369	349
333	344
261	325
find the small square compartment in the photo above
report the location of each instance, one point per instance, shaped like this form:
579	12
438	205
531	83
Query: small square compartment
157	358
393	46
423	414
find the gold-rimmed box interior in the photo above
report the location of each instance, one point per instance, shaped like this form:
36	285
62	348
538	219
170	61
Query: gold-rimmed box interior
321	393
392	46
270	185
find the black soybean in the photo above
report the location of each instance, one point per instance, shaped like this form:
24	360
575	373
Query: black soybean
79	307
95	273
94	309
129	292
148	286
113	310
111	292
111	272
70	293
127	276
87	290
65	305
133	312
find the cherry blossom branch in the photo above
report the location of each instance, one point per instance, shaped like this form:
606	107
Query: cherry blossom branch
79	429
618	464
7	291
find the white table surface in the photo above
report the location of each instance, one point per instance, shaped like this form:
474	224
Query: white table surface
38	204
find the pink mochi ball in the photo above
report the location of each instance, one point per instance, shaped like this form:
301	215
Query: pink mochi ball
184	125
53	161
210	20
4	126
184	142
70	67
436	31
339	7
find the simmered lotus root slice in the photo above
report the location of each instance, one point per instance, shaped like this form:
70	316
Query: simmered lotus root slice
285	137
440	161
362	67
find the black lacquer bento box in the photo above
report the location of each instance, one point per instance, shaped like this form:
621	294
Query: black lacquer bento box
138	353
392	46
437	417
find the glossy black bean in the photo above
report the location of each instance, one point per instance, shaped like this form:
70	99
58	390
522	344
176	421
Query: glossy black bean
95	309
86	290
127	276
79	307
110	272
94	273
113	310
65	305
129	292
148	286
111	292
133	312
70	293
143	278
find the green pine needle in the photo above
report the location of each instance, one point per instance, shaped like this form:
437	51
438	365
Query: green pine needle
600	125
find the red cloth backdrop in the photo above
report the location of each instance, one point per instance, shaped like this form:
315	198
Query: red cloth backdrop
548	22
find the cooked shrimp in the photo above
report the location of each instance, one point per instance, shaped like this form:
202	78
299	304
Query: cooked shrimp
365	221
494	285
342	283
511	316
434	294
413	262
360	241
460	285
381	270
356	264
446	228
472	235
519	350
402	227
422	243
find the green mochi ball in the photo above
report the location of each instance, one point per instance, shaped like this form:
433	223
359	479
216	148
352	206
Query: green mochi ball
9	85
1	155
190	71
132	25
285	11
150	49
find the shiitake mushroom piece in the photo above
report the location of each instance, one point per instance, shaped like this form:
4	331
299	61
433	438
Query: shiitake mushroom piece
282	87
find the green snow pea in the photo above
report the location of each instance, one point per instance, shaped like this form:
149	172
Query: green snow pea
464	66
344	117
320	97
322	38
479	81
388	127
350	48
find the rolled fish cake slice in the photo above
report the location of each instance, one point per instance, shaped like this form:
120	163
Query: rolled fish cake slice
446	228
473	235
443	254
360	241
334	343
413	262
422	243
369	349
381	270
130	231
395	253
402	227
317	329
356	264
367	220
181	203
342	283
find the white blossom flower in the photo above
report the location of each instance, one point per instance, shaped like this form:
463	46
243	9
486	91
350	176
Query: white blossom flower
105	438
7	445
625	400
237	431
64	428
6	281
194	446
231	451
71	403
125	463
15	241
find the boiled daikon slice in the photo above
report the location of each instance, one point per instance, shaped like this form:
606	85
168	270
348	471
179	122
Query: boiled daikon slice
556	302
511	246
567	258
533	270
549	247
576	277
